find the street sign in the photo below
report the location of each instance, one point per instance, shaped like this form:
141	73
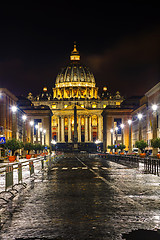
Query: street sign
2	140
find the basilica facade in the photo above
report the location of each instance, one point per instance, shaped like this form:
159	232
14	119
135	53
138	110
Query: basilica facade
76	86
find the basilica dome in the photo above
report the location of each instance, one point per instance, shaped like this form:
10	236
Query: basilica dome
75	80
75	74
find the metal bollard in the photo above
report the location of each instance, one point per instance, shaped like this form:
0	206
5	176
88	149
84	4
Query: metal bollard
31	167
9	177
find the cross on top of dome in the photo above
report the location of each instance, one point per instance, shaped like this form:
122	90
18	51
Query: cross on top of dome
75	54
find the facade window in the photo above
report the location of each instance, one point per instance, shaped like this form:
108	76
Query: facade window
94	106
118	103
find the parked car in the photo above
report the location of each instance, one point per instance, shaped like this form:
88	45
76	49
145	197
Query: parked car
135	150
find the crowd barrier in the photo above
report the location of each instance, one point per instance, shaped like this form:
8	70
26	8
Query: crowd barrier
151	164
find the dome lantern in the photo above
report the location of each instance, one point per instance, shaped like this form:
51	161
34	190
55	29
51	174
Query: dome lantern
75	54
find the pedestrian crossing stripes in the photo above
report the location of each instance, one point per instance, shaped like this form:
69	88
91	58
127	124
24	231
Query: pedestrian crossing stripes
78	168
56	168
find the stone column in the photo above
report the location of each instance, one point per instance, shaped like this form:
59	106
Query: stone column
59	129
14	125
140	130
62	129
75	125
69	130
24	131
32	127
79	128
130	140
41	136
100	128
154	133
90	129
86	128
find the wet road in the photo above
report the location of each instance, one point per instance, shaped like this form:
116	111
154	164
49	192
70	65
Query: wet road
86	198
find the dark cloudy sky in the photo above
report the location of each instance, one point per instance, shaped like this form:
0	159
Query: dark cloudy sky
119	41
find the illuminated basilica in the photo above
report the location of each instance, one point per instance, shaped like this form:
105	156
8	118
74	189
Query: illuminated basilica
76	86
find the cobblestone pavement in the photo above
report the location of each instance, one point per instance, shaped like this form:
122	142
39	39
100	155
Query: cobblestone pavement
85	197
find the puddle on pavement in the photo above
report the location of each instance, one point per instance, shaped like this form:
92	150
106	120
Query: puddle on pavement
142	234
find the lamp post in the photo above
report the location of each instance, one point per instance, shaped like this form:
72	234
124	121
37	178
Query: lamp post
24	118
14	122
140	116
31	124
111	136
154	133
116	135
41	129
130	139
36	127
122	127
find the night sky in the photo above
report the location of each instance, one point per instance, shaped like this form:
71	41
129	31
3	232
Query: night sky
120	42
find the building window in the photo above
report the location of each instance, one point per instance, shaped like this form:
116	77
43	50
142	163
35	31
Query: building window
54	106
104	106
94	106
118	103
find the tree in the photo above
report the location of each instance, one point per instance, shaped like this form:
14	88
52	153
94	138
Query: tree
111	147
121	147
13	145
141	145
37	147
28	147
155	143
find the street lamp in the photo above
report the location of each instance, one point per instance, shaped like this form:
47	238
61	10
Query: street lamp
31	124
36	127
154	107
116	128
41	130
122	127
111	130
130	139
140	116
24	118
14	122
